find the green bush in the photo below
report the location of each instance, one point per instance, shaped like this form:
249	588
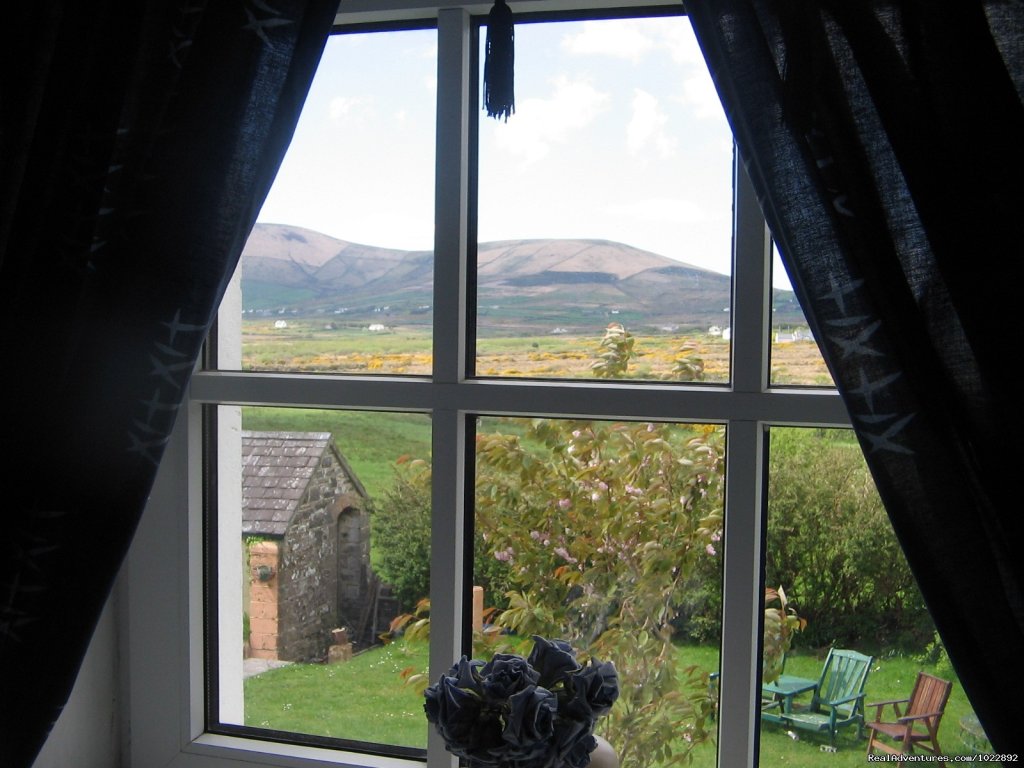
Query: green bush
831	543
400	534
400	538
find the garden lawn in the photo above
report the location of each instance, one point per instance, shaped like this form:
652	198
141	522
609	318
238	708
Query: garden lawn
890	678
366	700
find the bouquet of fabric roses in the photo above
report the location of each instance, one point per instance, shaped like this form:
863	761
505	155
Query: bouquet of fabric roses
511	712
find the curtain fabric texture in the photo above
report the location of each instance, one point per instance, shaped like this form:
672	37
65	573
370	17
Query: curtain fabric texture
138	142
886	143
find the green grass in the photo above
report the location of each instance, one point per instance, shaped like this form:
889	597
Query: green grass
891	677
366	699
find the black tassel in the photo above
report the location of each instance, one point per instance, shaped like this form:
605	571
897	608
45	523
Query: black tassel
499	64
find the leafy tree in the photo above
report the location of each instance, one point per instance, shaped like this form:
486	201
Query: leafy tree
617	349
600	534
687	366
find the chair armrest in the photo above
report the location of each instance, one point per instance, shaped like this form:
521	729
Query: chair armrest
911	718
844	700
888	701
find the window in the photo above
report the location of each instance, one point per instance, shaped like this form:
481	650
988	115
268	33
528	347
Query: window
194	632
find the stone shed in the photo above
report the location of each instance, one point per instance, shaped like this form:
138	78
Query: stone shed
305	526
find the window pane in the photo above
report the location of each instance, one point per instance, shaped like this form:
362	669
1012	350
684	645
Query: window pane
301	600
795	357
605	202
608	535
337	275
833	558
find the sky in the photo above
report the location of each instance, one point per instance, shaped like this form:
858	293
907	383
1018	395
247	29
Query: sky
618	134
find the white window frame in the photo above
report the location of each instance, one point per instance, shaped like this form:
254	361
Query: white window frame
162	580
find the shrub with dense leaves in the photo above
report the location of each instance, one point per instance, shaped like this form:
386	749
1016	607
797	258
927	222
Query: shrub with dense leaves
400	532
831	543
601	526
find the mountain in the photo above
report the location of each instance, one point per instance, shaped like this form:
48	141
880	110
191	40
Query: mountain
523	286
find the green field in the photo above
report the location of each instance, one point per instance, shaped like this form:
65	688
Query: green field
332	347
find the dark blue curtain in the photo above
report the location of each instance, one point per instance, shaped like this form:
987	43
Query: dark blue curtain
139	139
886	143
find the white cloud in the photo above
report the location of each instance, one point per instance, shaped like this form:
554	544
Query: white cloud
540	123
623	40
343	107
699	93
672	210
632	39
647	127
679	41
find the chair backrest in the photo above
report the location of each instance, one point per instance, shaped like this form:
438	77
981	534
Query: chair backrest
844	675
930	694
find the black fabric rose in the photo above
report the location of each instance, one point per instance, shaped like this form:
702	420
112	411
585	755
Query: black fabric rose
578	756
530	723
553	659
466	673
513	712
569	733
599	684
456	712
506	674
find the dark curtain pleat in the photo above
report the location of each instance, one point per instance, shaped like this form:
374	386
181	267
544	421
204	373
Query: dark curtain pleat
886	143
138	142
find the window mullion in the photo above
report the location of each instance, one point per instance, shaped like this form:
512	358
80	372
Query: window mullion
751	307
451	248
451	196
447	556
741	581
741	594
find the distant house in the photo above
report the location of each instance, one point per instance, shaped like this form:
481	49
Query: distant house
800	334
306	526
376	327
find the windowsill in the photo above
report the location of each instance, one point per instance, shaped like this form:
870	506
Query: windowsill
271	753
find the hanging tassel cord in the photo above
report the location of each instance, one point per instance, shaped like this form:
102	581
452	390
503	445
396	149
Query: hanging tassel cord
499	64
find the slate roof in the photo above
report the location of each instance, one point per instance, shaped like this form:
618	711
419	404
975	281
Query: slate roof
276	470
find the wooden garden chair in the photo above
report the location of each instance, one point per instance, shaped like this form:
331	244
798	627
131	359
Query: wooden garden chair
918	724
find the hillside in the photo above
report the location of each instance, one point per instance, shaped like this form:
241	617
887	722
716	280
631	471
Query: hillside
523	286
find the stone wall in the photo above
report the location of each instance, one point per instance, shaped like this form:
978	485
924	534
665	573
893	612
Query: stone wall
322	583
